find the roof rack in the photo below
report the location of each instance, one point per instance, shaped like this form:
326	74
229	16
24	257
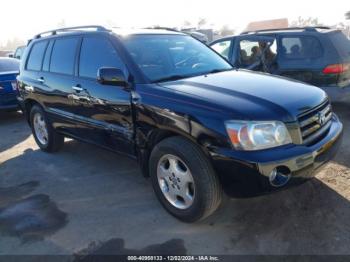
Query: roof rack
163	28
306	28
67	29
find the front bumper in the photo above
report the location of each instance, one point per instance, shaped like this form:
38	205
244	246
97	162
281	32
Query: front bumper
245	173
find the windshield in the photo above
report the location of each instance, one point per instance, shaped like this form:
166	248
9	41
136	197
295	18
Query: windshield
8	65
171	57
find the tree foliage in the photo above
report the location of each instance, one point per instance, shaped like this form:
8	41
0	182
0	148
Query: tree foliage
303	22
201	22
226	30
347	15
12	44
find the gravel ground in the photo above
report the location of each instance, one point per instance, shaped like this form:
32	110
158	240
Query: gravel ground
87	200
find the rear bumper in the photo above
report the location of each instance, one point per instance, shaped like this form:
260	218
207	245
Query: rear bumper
246	174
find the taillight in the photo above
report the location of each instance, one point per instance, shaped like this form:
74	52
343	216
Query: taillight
336	68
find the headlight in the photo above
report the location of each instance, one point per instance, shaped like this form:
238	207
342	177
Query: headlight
255	135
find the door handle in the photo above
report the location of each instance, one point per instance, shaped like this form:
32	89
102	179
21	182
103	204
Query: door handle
41	80
77	88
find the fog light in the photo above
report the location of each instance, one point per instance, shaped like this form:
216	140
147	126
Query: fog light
278	179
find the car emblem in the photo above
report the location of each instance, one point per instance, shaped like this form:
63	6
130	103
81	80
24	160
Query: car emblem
321	118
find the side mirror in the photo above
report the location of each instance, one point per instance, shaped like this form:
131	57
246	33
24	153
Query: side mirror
111	76
10	55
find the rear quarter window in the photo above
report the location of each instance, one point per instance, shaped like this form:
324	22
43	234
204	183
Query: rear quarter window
36	56
63	56
300	47
341	44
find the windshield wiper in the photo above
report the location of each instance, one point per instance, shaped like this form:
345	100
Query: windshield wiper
171	78
217	71
177	77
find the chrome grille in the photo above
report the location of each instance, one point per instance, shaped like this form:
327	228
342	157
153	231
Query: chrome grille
315	123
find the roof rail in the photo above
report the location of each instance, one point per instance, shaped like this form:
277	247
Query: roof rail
306	28
67	29
163	28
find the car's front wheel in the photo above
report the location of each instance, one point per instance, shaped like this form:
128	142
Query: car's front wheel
184	180
45	136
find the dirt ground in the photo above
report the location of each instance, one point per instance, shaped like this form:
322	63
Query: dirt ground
87	200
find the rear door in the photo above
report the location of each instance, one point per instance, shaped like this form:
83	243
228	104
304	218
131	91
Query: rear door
56	80
301	57
104	114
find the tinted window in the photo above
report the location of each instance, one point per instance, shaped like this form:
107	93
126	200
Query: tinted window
341	43
36	56
8	65
97	52
301	47
223	47
47	56
63	55
162	57
250	52
19	52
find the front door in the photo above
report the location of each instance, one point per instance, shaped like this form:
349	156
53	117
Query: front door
104	114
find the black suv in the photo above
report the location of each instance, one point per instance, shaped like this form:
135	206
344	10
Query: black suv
195	125
316	55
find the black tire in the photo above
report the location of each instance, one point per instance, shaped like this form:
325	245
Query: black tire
55	141
208	191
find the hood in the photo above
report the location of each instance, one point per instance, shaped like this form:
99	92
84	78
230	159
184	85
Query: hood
250	95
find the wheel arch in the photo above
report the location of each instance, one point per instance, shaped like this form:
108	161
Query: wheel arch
154	137
28	104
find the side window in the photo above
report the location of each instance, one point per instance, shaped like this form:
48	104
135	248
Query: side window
250	52
47	56
63	56
19	52
223	48
301	47
97	52
36	56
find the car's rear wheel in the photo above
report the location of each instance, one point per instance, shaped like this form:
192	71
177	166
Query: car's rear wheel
184	180
45	136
